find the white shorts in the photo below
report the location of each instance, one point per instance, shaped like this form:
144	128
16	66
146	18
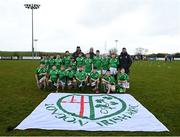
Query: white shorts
125	85
42	79
99	71
104	72
113	71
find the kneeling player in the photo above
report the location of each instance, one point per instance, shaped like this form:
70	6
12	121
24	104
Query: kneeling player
94	79
123	83
61	82
40	76
108	82
52	77
81	77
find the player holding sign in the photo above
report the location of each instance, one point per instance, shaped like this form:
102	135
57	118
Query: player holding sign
94	80
123	83
108	82
40	76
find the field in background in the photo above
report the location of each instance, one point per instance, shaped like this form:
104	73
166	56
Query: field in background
155	84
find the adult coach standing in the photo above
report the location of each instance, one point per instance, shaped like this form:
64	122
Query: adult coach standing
125	60
77	52
91	52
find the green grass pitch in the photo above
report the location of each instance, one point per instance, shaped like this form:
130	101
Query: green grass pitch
155	84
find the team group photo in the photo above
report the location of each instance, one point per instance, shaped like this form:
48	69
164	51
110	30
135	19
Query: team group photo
89	68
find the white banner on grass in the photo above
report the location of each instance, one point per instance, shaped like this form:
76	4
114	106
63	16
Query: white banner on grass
91	112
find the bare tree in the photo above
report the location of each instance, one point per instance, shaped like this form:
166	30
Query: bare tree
113	50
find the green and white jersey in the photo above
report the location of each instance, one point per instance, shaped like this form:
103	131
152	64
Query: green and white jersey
113	62
40	72
97	62
110	79
80	61
105	63
53	75
88	65
81	75
69	73
66	61
58	62
94	75
122	77
61	74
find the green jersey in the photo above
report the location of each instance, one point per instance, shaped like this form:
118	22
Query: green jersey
67	61
110	79
80	61
69	73
105	63
51	62
122	77
53	75
45	61
94	75
81	75
40	72
73	65
97	62
88	65
58	62
113	62
61	74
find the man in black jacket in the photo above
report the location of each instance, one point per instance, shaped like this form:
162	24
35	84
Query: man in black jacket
77	52
91	52
125	61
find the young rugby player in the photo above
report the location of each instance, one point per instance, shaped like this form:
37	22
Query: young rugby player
105	64
95	79
40	76
67	59
113	63
108	82
81	78
58	62
61	81
70	80
52	77
80	60
73	65
51	62
88	64
97	61
122	78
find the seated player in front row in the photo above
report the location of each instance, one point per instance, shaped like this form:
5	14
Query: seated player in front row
52	77
108	82
70	80
123	83
40	76
61	81
94	80
81	77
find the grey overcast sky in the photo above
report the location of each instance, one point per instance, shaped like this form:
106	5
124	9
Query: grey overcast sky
61	25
